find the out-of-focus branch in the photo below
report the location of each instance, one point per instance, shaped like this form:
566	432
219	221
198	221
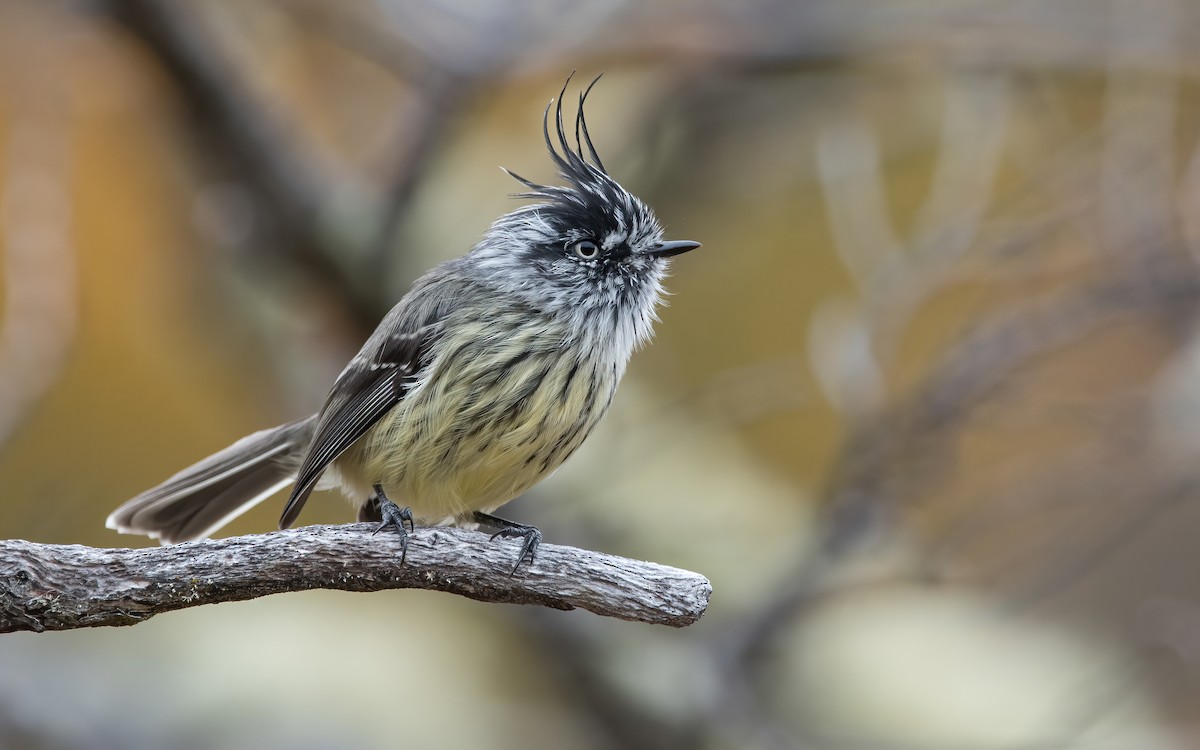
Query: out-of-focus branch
219	89
254	136
62	587
861	492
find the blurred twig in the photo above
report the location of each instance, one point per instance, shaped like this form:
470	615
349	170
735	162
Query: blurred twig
257	139
61	587
440	85
1064	568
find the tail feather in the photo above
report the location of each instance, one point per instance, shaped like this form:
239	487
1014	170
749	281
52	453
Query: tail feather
204	497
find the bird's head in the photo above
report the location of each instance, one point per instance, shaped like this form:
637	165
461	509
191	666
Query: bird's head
589	247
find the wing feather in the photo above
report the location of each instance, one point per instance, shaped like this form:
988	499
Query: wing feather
372	384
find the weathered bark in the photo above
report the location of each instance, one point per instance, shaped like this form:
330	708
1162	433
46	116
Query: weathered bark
60	587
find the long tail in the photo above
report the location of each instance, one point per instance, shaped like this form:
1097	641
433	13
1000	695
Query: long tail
204	497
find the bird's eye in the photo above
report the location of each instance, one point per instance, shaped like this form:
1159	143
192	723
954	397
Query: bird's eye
584	249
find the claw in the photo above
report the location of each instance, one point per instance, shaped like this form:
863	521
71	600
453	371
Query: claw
531	535
394	516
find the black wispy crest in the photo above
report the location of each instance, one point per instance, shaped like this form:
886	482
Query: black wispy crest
572	165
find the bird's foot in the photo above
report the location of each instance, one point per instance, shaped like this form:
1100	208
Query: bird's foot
394	516
531	535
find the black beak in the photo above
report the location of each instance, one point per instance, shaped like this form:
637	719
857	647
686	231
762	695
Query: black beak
678	247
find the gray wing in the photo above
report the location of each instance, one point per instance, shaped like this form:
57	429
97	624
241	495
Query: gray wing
374	382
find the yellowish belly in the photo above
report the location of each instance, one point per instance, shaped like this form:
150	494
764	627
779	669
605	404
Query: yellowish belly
447	452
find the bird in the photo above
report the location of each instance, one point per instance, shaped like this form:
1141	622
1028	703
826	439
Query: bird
487	374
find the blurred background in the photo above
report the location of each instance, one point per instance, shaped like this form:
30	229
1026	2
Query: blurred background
925	408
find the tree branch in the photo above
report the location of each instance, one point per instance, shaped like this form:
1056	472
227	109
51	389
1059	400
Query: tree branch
61	587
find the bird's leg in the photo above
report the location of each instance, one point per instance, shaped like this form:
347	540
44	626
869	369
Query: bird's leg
530	534
392	515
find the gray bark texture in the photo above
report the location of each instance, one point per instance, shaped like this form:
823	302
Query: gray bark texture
61	587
